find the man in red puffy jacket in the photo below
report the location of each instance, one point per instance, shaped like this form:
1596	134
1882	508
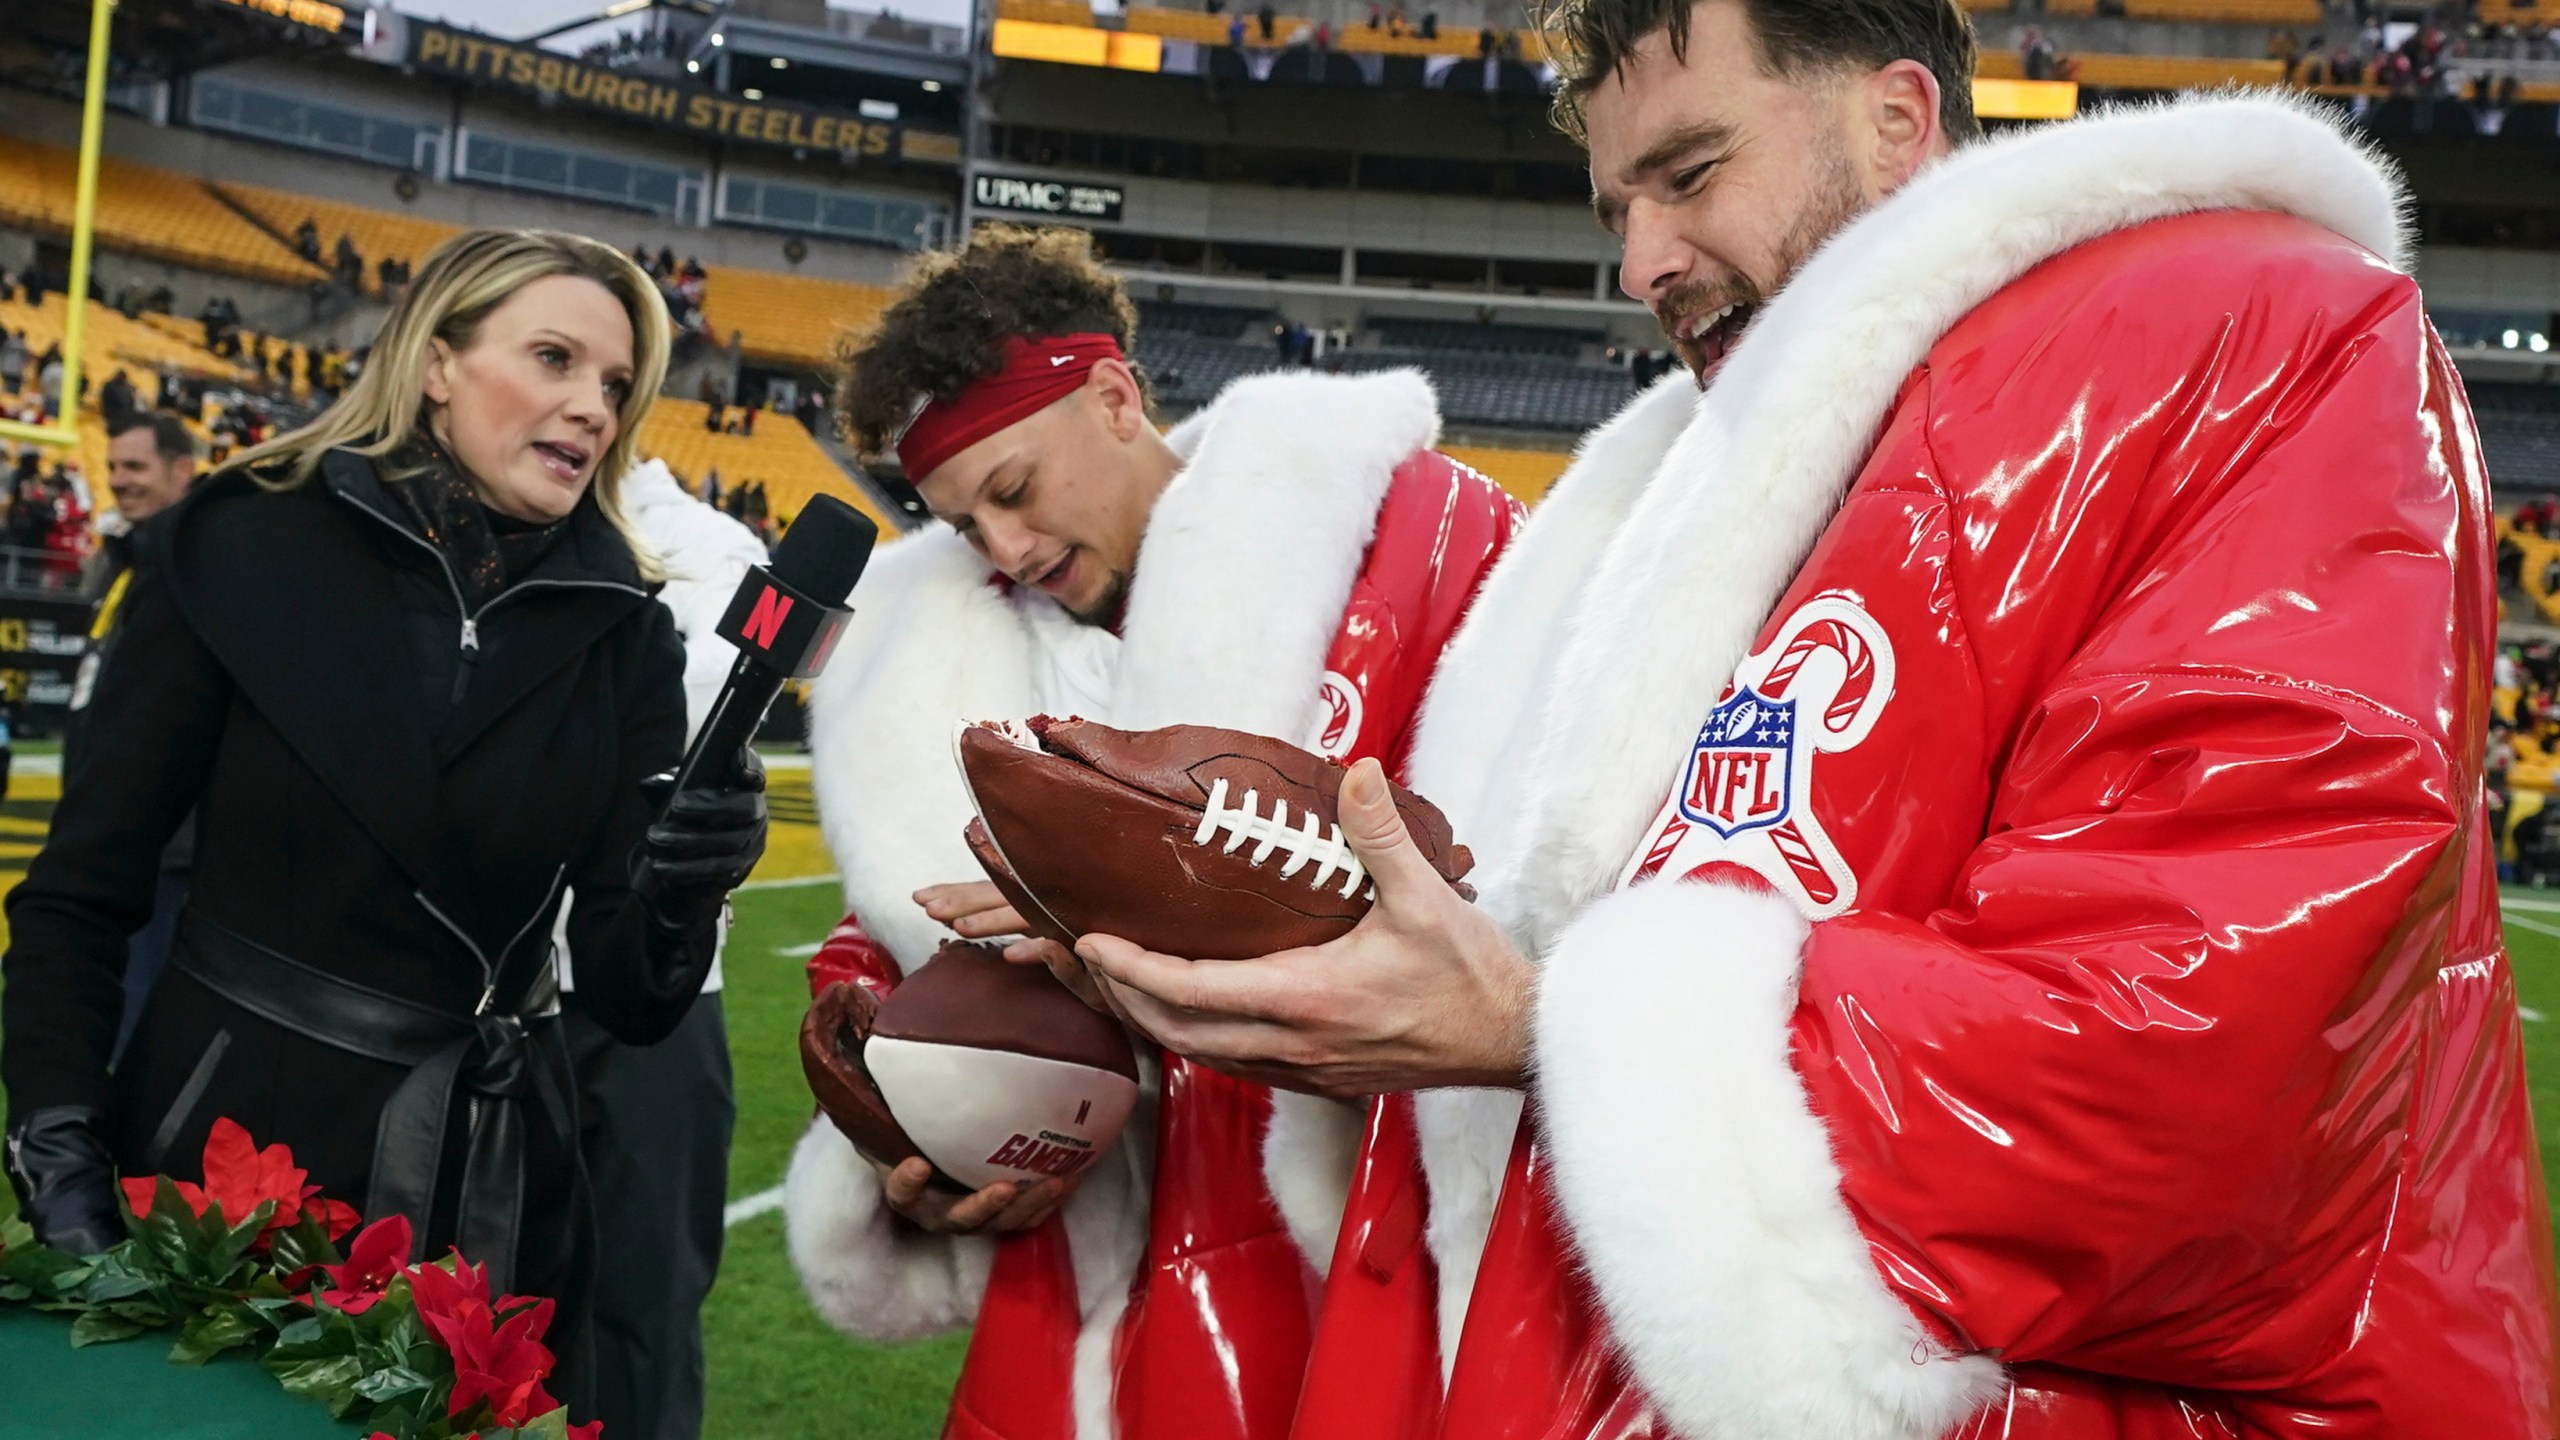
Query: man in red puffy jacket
1288	561
1978	803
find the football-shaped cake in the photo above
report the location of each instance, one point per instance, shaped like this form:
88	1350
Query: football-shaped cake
1194	841
989	1070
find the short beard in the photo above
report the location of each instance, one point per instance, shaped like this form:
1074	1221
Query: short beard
1105	611
1835	200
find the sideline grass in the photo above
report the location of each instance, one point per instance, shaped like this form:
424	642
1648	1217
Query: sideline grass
778	1372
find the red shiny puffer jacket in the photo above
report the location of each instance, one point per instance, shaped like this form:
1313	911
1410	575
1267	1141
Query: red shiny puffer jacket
1214	1340
2089	965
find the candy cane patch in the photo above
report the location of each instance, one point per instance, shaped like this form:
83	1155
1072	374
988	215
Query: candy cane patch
1745	796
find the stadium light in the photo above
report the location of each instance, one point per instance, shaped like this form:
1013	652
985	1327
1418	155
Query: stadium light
781	64
693	67
2537	342
719	39
933	87
2509	339
752	94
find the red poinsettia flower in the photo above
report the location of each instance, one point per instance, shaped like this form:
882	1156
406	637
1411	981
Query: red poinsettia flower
592	1430
139	1190
376	1258
337	1217
238	1177
502	1362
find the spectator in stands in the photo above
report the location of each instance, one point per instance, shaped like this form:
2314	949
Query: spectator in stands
1485	40
386	275
747	418
32	283
1235	32
49	380
13	360
1430	25
306	240
116	399
1376	17
350	263
382	897
1266	17
666	261
2285	47
161	301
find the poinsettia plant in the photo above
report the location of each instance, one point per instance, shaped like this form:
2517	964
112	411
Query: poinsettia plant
250	1259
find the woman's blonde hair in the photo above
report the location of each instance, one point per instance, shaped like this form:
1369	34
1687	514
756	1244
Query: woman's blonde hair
454	290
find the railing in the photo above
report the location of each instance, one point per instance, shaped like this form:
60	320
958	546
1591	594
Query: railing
50	573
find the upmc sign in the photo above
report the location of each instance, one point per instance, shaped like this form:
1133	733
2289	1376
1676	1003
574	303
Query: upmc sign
1024	195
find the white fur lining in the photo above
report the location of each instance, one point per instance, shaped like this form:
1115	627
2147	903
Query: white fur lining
1307	1154
1564	707
1247	563
866	1273
1712	1224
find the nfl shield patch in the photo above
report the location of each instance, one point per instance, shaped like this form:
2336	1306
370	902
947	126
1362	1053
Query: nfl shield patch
1740	770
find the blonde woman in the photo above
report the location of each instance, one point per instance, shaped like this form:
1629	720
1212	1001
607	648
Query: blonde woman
405	666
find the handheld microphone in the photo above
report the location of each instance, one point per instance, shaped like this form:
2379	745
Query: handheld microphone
785	621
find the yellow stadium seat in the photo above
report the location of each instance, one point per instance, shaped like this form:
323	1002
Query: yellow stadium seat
780	454
790	318
143	210
377	233
1527	474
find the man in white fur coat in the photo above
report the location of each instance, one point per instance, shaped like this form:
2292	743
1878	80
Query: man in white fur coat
1290	561
1978	803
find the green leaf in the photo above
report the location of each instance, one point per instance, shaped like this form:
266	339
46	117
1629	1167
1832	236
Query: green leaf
392	1384
102	1327
325	1379
210	1332
302	1244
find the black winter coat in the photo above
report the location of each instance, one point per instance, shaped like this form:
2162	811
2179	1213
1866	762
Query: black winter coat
377	802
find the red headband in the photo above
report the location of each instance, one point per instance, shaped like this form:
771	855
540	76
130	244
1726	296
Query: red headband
1035	375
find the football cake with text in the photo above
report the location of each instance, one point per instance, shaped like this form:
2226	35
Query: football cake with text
1190	840
991	1071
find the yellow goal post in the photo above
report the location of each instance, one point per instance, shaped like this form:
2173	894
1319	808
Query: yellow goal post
65	431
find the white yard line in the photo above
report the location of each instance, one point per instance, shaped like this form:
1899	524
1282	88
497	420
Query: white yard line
792	883
798	952
763	1202
2535	926
2518	902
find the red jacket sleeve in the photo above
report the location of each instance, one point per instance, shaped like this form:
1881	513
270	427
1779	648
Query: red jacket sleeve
849	956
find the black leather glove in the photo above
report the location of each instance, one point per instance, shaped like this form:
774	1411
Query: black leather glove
701	849
66	1178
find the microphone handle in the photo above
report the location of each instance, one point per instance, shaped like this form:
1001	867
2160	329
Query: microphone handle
737	713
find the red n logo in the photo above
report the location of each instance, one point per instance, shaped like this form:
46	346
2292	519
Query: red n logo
764	623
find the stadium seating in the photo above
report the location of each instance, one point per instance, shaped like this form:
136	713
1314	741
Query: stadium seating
1527	474
781	454
142	210
377	233
2247	12
1469	337
790	318
1209	322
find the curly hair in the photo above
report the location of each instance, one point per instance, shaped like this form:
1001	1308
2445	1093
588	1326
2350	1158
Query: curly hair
956	308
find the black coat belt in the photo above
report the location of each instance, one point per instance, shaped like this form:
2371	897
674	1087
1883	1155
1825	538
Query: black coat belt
496	1058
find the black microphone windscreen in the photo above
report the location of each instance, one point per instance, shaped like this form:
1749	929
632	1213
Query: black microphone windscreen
823	552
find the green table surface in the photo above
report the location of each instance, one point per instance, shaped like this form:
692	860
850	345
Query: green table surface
130	1391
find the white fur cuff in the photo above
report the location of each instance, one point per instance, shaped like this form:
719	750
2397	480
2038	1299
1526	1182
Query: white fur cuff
870	1276
1307	1155
1700	1187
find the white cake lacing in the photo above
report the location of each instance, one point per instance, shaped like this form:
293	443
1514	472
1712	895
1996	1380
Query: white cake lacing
1328	852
